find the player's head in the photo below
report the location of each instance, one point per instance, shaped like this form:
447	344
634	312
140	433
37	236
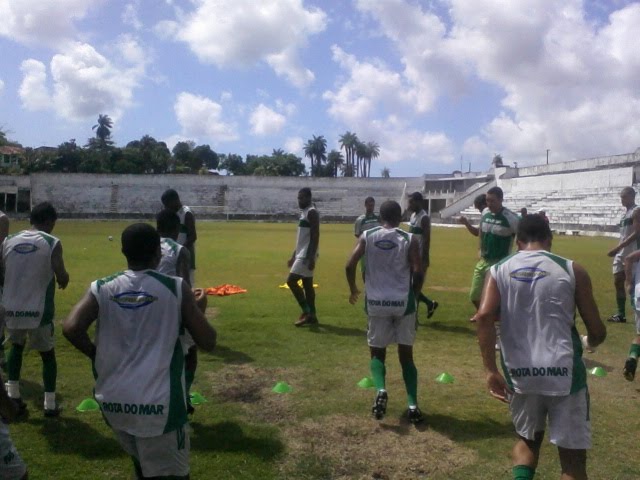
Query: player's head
43	217
415	201
534	229
168	224
494	199
141	246
627	196
523	212
304	197
480	202
171	200
369	205
391	213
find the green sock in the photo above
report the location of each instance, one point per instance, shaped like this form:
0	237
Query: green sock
621	302
304	306
189	375
14	362
410	376
634	351
378	371
49	373
523	472
312	309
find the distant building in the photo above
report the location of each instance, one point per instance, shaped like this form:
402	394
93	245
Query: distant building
10	156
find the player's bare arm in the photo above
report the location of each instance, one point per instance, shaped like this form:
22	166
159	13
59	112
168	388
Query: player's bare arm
350	270
415	261
586	304
629	239
470	228
314	240
425	224
75	328
195	321
57	265
183	265
629	263
190	225
486	317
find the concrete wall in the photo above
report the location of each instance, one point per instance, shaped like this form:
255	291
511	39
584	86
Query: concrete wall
587	164
87	195
614	177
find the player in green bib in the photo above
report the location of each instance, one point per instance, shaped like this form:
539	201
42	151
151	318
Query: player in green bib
187	235
366	221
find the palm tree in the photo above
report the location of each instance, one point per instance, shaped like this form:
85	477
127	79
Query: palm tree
361	154
335	160
309	152
103	129
385	172
348	142
316	150
373	151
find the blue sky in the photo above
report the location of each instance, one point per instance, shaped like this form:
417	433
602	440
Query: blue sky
435	83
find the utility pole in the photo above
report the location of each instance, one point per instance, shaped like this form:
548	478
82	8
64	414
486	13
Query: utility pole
547	156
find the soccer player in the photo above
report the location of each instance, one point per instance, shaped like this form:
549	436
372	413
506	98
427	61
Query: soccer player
303	260
480	202
368	219
497	228
420	227
32	263
535	294
175	262
394	276
187	236
632	285
137	354
629	241
4	233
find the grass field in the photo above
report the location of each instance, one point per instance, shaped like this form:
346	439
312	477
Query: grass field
323	428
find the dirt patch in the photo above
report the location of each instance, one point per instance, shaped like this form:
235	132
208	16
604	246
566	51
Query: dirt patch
358	447
439	288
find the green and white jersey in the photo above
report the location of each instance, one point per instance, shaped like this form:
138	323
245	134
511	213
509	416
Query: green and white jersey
182	235
388	272
139	364
497	231
29	281
365	222
170	252
415	225
626	229
540	346
304	233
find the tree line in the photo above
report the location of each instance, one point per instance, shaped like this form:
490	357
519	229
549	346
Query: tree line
150	156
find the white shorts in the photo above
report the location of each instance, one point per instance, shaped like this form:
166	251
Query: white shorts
300	267
40	338
569	422
386	330
192	277
11	465
162	456
618	263
186	341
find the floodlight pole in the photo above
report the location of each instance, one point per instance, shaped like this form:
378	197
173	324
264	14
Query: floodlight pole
547	156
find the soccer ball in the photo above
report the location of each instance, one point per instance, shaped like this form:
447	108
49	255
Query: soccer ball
110	238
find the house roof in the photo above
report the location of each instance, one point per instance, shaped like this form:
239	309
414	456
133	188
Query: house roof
7	150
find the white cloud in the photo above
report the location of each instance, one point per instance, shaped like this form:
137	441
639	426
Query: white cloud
1	86
84	84
228	33
42	22
201	117
132	51
130	16
294	145
226	96
265	121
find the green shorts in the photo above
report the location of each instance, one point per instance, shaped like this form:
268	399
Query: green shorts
477	282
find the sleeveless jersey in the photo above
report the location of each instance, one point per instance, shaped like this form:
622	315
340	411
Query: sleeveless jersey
626	229
304	233
388	272
139	364
29	283
182	235
415	225
170	253
540	346
365	222
497	230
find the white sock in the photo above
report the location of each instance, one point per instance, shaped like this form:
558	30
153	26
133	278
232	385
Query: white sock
13	388
50	400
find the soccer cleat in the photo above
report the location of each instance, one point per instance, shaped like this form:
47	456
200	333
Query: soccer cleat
617	318
629	370
414	415
190	408
21	406
306	319
52	412
380	405
431	309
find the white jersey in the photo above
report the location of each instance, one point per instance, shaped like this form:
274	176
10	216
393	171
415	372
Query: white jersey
415	225
540	346
388	272
365	222
626	229
29	281
304	233
182	213
170	253
139	364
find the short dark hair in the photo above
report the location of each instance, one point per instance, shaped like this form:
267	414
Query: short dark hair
369	199
169	195
417	196
533	228
306	191
390	211
167	221
628	190
480	200
497	191
42	213
140	242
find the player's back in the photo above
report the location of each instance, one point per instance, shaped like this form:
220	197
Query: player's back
170	250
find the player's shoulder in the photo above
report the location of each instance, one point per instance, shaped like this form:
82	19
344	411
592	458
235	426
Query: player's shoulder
101	282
